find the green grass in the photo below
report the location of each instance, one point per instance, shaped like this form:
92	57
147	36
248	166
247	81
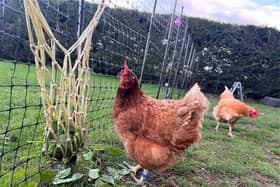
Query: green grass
251	158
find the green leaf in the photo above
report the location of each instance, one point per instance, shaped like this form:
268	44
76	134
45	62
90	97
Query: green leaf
98	147
87	156
100	183
31	184
47	175
63	173
115	151
114	172
93	173
75	177
108	179
124	172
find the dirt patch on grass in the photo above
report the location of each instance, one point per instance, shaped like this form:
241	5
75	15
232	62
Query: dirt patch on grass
249	126
168	177
263	179
273	158
164	179
208	176
205	174
55	166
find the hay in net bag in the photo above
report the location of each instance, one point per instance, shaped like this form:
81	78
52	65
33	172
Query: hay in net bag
65	101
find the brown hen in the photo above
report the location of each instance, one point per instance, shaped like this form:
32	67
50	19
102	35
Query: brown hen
229	110
155	132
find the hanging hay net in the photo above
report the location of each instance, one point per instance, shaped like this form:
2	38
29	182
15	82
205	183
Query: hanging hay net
64	84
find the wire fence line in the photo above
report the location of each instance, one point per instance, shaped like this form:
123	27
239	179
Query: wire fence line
155	48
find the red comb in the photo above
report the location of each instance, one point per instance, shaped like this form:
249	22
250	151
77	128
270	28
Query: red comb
256	114
257	111
125	66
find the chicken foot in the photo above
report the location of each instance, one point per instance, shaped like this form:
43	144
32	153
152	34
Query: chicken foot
144	176
132	169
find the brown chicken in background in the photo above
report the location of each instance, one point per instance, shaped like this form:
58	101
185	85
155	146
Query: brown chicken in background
155	132
229	110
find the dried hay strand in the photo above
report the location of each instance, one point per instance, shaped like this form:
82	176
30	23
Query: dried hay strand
66	99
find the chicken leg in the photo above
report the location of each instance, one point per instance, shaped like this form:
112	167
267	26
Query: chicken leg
230	131
216	128
133	170
144	176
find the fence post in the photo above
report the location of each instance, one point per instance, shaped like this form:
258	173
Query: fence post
166	49
185	59
188	64
3	8
190	71
148	42
180	56
79	29
168	91
81	17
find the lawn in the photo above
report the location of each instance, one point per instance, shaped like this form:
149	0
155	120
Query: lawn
251	158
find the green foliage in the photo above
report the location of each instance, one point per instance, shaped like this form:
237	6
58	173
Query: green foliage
47	175
19	177
229	53
108	179
225	53
251	158
60	177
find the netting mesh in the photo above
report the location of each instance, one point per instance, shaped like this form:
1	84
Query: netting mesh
22	122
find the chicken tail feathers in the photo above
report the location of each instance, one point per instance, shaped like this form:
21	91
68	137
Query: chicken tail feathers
196	97
189	119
